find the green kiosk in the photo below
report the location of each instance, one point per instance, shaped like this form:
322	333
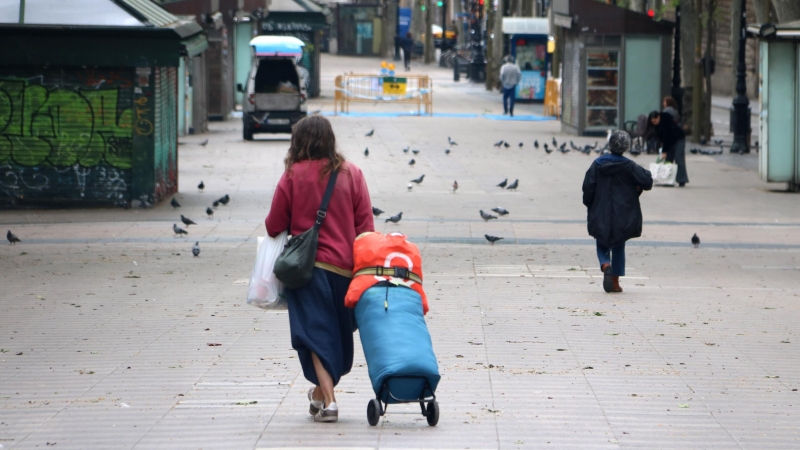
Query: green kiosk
779	83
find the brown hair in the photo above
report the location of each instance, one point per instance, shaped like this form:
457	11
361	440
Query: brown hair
313	138
669	101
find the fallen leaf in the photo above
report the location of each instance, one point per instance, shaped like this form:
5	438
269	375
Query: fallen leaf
252	402
683	405
598	313
588	368
612	334
214	344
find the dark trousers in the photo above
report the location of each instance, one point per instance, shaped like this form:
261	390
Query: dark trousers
614	256
677	155
509	96
407	59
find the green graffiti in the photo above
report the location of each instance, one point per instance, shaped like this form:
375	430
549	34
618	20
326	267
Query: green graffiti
63	127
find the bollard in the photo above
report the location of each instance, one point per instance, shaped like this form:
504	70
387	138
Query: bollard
456	70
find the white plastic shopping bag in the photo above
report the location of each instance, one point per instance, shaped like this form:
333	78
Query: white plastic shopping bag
265	291
664	174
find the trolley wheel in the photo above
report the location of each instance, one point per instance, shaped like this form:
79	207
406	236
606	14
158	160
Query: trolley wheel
373	412
433	413
247	132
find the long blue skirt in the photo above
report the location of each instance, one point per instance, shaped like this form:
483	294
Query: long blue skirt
320	323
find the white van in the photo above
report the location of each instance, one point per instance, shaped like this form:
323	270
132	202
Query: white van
275	93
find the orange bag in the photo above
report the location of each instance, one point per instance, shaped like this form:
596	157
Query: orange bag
385	257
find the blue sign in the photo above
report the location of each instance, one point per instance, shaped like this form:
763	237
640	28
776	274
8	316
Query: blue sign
404	21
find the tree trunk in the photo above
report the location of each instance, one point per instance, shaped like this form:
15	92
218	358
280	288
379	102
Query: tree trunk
711	6
527	8
787	10
736	19
490	13
697	76
389	28
417	19
761	9
688	40
497	43
429	50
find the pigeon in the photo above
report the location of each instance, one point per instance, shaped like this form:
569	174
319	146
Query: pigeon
563	148
703	141
412	162
535	145
498	143
396	218
377	211
210	212
492	239
503	183
187	221
366	152
12	238
555	144
487	217
204	143
455	186
225	200
451	142
174	203
695	241
371	132
416	152
718	141
410	187
573	146
500	210
506	145
418	180
520	145
196	249
316	111
201	186
447	151
215	204
636	150
178	231
513	186
547	149
405	150
587	150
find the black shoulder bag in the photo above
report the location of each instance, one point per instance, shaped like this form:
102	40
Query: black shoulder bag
295	265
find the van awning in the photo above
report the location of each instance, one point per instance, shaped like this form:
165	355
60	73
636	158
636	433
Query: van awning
277	46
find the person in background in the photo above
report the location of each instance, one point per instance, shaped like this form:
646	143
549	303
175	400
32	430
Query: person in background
611	190
671	107
673	139
407	45
321	327
509	78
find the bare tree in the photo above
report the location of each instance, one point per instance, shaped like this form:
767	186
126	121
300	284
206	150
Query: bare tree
493	64
389	28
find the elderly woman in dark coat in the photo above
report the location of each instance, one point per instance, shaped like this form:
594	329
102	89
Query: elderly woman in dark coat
663	125
611	191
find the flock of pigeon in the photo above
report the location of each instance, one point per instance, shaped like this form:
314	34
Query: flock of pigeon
500	211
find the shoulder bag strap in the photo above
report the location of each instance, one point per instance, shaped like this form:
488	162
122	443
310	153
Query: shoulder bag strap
323	208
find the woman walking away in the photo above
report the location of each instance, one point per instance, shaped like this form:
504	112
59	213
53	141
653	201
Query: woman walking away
321	326
611	191
407	45
673	139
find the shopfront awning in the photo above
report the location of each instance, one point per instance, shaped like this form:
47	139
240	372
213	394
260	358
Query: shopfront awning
526	25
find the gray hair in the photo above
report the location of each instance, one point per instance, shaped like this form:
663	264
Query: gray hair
510	59
619	142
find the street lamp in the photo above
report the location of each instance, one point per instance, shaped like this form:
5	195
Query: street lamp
740	113
677	91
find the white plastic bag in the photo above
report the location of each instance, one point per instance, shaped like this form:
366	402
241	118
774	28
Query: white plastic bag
265	291
664	174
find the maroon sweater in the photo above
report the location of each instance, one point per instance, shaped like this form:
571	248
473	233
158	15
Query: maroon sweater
297	199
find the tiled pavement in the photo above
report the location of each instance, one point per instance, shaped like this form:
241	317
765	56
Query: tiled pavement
106	318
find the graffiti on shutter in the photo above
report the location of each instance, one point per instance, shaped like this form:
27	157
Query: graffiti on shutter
65	134
166	132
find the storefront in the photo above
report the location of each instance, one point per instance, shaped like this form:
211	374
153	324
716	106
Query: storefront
616	65
528	39
359	29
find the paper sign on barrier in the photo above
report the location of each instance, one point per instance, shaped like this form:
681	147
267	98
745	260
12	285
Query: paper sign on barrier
394	86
